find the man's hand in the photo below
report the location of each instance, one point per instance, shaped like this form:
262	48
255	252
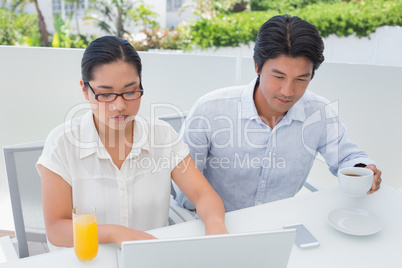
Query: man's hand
377	179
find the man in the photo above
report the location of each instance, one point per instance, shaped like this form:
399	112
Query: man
257	143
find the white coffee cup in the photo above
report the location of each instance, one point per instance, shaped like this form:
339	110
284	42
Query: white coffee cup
355	181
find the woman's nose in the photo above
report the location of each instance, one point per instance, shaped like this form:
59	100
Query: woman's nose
118	104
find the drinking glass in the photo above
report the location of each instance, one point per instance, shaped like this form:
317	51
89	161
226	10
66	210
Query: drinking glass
85	233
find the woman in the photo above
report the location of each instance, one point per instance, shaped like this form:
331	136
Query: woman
117	161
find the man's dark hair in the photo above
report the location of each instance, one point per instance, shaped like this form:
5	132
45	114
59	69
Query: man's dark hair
105	50
290	36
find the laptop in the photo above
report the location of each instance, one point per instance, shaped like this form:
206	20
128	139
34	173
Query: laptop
256	249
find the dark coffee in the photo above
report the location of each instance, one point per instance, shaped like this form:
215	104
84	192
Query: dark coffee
353	175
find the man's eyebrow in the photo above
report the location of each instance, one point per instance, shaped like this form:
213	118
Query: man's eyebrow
305	75
278	72
109	87
281	73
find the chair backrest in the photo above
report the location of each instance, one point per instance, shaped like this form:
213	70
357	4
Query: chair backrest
25	193
175	120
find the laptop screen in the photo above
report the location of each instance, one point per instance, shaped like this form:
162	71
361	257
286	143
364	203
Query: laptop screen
256	249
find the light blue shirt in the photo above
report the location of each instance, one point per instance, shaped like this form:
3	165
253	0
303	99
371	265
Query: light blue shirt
247	162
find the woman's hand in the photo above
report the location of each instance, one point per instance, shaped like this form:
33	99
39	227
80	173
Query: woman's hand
119	234
215	227
209	205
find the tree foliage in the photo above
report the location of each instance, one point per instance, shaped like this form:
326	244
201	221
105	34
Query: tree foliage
18	29
42	25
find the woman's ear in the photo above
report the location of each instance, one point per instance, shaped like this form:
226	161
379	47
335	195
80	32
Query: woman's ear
84	89
256	67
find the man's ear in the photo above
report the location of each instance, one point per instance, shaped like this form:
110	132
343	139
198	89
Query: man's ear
84	89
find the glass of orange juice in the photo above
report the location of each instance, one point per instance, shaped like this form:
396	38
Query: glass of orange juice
85	233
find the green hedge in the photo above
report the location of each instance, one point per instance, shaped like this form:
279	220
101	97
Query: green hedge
342	19
285	5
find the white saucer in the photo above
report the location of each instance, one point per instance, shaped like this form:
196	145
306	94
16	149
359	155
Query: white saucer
355	221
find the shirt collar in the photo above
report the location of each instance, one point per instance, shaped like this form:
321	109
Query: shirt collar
91	143
248	109
296	112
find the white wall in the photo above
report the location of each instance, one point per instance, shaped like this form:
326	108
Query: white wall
40	86
383	47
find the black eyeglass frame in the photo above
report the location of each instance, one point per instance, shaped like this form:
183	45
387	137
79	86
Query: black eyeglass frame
115	94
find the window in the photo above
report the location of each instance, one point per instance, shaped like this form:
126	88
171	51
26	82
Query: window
56	6
173	5
177	4
64	7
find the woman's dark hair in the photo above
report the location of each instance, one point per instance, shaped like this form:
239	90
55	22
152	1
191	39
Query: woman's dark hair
108	49
290	36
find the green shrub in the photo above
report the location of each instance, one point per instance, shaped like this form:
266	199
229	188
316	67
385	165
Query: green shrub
285	5
361	18
342	19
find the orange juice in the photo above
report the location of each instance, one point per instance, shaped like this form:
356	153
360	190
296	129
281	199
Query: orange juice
85	237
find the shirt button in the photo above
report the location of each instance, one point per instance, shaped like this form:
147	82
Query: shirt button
262	182
259	203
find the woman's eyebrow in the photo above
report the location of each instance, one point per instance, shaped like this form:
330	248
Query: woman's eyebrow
131	84
110	87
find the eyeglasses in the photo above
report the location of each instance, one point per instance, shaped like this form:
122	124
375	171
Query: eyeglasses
108	97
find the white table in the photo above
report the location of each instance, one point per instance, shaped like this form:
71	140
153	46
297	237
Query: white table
336	250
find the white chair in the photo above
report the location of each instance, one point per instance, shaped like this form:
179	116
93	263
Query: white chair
7	251
25	193
312	186
26	201
175	120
